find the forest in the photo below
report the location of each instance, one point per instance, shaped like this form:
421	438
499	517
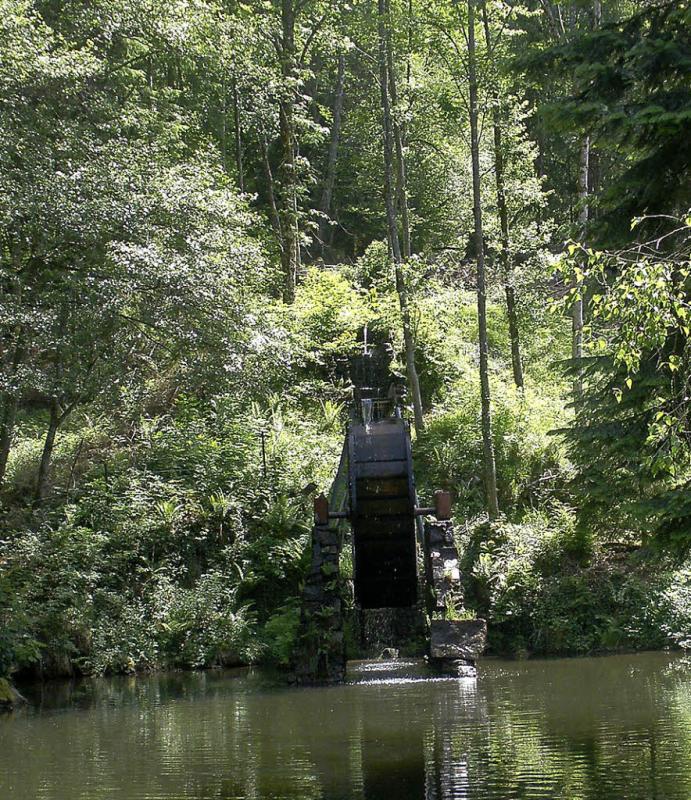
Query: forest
204	204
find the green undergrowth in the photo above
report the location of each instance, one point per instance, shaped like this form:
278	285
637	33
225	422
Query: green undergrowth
547	582
546	588
177	527
175	548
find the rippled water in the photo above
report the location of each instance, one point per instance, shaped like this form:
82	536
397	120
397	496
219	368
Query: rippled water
608	728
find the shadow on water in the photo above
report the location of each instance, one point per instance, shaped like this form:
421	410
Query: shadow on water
582	729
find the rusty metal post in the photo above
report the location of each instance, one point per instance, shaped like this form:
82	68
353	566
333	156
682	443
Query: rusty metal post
321	510
442	505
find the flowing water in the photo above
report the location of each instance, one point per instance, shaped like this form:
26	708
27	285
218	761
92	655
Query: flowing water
607	728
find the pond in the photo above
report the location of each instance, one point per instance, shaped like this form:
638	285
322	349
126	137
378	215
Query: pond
613	727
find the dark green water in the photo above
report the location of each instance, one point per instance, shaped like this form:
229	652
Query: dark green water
607	728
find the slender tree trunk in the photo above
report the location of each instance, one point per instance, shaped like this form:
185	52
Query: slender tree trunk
238	137
507	271
584	181
44	467
271	193
401	176
296	236
512	313
539	164
9	411
409	63
9	418
597	13
11	404
289	220
408	340
330	177
583	215
488	445
540	160
224	127
559	31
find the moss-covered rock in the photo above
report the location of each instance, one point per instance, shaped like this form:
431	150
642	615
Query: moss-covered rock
9	696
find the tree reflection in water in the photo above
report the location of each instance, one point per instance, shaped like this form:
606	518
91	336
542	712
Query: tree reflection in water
582	729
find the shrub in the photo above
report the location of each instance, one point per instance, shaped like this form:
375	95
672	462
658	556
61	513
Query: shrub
543	588
280	634
531	468
173	553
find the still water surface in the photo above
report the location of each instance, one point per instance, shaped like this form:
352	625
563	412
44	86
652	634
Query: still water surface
613	728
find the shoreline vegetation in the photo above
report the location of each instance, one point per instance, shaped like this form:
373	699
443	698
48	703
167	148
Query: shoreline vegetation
11	699
207	210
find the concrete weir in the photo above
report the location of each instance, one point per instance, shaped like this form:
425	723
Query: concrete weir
406	581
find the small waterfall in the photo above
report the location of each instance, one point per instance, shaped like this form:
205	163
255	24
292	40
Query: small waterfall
367	411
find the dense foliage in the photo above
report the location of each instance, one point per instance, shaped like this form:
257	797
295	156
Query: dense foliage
198	208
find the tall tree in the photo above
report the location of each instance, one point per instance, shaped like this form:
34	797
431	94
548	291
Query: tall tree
577	309
584	185
397	127
631	438
330	172
503	211
118	246
488	444
391	217
237	125
626	78
563	31
290	251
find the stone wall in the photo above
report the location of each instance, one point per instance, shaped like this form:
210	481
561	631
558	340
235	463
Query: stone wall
320	648
454	644
442	576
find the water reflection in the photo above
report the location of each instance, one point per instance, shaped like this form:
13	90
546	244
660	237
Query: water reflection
585	729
